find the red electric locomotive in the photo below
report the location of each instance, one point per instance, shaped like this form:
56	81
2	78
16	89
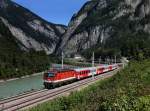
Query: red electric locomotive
53	78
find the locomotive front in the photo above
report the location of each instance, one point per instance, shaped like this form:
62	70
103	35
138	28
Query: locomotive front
49	77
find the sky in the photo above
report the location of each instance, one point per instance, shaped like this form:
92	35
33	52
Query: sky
55	11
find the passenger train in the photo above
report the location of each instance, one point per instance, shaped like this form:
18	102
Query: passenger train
54	78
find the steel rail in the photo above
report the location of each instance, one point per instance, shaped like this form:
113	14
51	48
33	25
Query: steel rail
13	98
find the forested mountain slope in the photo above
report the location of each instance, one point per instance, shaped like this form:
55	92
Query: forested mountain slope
31	31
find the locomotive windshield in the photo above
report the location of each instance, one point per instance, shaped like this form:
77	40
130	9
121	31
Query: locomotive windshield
49	74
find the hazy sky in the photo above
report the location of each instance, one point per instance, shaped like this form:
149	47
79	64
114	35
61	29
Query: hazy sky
56	11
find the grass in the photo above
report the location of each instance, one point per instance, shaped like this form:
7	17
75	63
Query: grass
129	90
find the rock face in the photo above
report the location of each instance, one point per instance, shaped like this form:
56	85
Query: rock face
31	31
99	21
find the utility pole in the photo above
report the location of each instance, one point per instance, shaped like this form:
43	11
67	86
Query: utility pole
93	60
112	61
62	60
100	60
106	60
93	64
115	59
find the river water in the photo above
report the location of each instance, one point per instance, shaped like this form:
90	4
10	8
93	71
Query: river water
11	88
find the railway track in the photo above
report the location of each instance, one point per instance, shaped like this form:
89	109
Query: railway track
13	98
34	98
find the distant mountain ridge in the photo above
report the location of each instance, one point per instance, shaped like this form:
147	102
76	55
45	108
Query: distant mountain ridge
30	31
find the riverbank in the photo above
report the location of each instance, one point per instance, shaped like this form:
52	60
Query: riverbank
27	76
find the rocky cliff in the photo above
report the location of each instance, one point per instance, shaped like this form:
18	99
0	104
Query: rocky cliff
106	23
29	30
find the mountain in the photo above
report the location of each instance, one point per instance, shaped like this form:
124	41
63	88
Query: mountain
26	40
123	25
29	31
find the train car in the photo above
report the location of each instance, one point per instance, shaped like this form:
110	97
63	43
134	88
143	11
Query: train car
82	73
114	66
120	64
54	78
110	67
99	70
106	68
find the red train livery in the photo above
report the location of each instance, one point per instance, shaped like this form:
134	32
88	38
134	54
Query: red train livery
53	78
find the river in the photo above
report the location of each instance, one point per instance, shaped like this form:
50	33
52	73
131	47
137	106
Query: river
14	87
